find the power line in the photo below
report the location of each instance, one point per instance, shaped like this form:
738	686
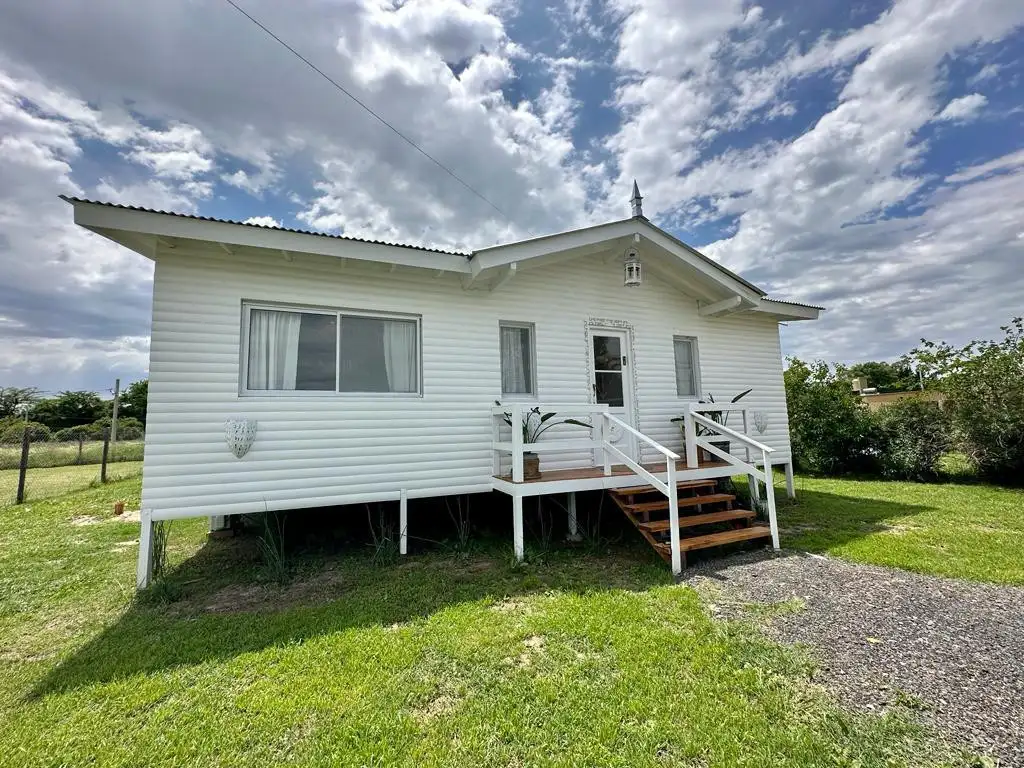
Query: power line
348	93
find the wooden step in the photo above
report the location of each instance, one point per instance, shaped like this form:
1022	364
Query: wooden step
634	490
691	521
685	501
716	539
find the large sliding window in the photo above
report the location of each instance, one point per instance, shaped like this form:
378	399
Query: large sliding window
316	350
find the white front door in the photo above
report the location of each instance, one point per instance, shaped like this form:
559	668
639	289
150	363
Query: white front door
613	381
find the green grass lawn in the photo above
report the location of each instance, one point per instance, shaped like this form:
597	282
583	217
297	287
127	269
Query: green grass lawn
579	658
46	482
970	531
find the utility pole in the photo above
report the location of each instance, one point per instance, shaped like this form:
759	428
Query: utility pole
113	413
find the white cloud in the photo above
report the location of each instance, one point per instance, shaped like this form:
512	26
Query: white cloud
263	221
963	108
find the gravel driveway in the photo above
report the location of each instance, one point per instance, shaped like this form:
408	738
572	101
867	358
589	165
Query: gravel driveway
957	646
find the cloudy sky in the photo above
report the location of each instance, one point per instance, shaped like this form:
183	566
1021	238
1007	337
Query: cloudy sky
866	156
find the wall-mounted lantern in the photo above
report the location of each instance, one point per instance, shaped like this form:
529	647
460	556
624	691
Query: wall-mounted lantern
632	269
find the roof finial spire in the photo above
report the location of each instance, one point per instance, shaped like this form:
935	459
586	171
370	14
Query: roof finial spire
636	201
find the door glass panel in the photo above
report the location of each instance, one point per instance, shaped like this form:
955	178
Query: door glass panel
609	388
608	354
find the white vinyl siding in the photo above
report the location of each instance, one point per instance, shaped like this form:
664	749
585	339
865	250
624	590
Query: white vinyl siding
338	449
687	367
518	359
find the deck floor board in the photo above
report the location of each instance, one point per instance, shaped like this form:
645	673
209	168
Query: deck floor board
587	473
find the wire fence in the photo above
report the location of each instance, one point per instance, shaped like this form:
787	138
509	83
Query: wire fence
33	470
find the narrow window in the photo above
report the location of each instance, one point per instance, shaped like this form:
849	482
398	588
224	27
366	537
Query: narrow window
517	359
687	383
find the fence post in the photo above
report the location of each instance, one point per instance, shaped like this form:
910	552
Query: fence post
23	466
106	453
113	412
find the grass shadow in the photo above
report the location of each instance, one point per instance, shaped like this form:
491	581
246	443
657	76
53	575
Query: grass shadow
817	520
226	609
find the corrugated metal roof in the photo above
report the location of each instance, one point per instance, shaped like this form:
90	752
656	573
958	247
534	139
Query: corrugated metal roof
794	303
260	226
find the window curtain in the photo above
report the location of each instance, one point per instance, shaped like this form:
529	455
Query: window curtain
515	356
273	349
400	355
686	384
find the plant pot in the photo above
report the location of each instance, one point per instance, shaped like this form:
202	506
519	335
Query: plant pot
118	507
721	444
531	466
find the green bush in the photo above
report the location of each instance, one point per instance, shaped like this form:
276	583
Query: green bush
912	435
38	433
831	431
74	434
984	387
127	429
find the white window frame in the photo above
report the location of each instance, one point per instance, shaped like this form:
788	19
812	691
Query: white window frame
340	313
695	357
521	396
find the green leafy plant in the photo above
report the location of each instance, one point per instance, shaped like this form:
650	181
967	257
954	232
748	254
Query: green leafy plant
913	435
536	423
983	382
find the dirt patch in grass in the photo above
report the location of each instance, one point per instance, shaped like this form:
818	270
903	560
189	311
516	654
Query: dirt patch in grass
322	587
82	520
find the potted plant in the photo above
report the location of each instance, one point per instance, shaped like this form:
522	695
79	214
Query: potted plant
719	417
534	425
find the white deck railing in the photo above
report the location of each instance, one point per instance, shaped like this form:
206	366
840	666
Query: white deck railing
516	447
668	488
695	417
604	450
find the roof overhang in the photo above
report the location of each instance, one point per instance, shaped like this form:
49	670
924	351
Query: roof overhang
669	257
718	291
143	231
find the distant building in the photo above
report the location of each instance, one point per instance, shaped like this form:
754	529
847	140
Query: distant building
874	399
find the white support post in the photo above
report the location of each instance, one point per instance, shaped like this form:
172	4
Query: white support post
144	570
790	485
606	433
517	527
495	437
755	489
574	534
769	492
517	447
673	518
597	435
690	429
746	431
403	522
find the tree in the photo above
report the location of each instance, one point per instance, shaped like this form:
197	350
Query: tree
984	386
134	399
15	400
69	409
831	430
886	377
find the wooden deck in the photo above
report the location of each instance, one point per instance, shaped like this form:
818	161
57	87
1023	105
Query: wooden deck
593	478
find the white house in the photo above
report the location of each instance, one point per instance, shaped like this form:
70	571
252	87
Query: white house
294	369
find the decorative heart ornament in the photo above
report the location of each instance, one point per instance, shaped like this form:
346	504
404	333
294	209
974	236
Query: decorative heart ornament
240	434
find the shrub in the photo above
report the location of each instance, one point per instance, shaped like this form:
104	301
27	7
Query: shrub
984	387
38	433
913	435
127	429
74	434
830	429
